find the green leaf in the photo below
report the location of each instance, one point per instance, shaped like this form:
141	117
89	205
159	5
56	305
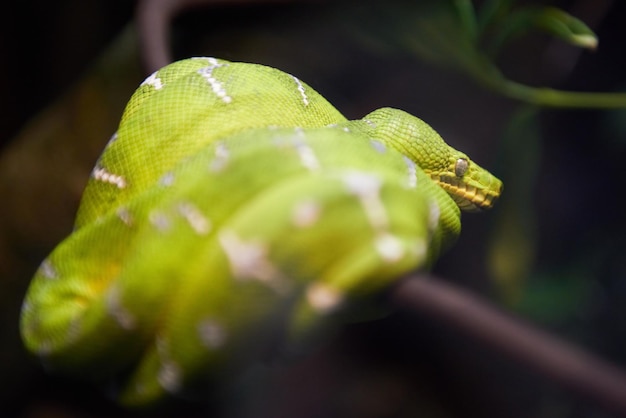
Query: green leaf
566	27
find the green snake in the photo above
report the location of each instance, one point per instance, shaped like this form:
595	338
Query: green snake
236	212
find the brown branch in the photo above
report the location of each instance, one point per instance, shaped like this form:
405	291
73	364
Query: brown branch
565	364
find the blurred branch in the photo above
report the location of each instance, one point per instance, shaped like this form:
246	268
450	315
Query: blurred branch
458	35
554	98
499	23
565	364
153	22
154	19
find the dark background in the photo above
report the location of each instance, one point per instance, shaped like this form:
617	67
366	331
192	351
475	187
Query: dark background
552	252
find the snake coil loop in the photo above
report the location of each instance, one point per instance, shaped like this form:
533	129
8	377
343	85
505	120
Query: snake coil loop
235	209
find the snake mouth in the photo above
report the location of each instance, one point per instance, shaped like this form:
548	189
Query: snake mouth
470	198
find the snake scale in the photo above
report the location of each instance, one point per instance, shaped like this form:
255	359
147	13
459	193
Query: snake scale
236	212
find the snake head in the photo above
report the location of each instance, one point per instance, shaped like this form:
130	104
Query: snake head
470	186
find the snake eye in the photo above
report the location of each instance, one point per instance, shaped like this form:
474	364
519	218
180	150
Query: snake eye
461	166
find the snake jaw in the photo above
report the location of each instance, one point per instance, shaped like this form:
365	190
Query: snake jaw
476	190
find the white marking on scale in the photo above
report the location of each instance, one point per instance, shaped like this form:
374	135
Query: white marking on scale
412	171
170	376
114	306
123	213
370	123
366	187
47	270
212	334
204	58
389	247
323	298
305	152
216	85
111	140
300	87
101	174
248	260
153	80
167	179
306	213
198	222
26	306
159	220
378	146
221	158
434	213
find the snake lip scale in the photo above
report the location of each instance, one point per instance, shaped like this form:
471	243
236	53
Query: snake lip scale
235	209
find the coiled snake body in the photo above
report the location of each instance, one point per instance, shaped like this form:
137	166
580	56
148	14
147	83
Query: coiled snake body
235	209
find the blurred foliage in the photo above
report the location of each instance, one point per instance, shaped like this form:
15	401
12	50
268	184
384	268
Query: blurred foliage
453	33
511	253
554	246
